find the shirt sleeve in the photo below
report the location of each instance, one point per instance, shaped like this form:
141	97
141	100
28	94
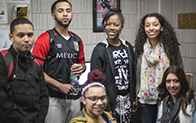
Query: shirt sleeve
81	57
9	111
179	61
41	47
96	59
133	72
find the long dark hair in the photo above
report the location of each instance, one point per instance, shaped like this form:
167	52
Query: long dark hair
167	36
186	94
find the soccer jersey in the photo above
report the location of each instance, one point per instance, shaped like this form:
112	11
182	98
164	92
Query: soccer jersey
65	53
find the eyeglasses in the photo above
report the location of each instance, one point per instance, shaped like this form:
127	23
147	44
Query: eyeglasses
94	99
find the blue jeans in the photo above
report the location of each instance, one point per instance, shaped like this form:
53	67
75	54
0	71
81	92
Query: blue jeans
148	113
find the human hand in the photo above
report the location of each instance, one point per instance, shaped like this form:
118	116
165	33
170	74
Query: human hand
78	69
134	107
67	88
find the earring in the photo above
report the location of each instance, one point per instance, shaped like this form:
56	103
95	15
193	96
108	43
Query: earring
104	32
121	34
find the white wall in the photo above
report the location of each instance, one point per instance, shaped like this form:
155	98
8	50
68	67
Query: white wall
4	33
187	37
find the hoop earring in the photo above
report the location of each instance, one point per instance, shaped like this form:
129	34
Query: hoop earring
105	34
121	34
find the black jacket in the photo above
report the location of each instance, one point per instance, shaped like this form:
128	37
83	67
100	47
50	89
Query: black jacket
101	61
23	97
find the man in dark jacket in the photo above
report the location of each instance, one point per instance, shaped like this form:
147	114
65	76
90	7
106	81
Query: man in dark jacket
23	94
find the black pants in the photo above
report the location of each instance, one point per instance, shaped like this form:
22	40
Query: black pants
148	113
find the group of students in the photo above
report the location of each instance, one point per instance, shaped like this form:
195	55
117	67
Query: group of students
37	88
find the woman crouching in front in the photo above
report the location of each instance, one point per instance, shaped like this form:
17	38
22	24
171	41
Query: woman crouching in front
177	98
94	99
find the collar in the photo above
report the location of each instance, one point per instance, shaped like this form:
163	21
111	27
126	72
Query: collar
57	33
14	53
105	114
107	44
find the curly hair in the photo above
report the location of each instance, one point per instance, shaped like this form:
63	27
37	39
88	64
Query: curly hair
94	76
186	94
167	36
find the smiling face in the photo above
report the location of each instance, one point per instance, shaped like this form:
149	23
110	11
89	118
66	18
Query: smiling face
94	109
62	14
22	38
173	85
152	28
113	27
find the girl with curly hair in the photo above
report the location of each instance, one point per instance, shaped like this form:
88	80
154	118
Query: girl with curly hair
177	98
156	48
94	99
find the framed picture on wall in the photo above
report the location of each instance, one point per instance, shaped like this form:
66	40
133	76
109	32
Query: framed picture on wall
3	12
100	8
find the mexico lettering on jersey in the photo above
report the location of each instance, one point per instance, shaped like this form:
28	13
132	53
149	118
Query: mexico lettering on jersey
66	55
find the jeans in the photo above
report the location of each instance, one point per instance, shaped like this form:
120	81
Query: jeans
148	113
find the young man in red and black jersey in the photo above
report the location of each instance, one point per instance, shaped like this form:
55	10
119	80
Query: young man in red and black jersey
67	56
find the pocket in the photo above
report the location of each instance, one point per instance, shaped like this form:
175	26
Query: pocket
19	84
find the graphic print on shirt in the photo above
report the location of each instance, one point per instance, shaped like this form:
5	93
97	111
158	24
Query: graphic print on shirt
76	45
121	62
123	109
59	46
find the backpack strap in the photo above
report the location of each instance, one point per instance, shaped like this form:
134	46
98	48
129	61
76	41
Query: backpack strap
52	39
7	56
